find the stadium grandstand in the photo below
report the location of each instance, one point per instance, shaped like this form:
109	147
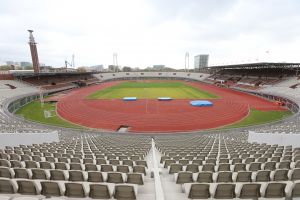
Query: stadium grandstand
56	81
40	160
253	75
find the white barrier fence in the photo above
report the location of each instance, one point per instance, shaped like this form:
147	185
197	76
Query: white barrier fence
15	139
275	138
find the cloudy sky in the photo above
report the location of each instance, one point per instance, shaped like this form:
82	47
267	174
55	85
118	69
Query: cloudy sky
148	32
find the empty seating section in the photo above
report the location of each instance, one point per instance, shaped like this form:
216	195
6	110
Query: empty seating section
213	166
49	82
283	89
9	124
97	166
108	166
114	166
250	78
11	88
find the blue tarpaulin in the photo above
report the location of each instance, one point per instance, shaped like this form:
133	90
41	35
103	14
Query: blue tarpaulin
164	98
129	99
201	103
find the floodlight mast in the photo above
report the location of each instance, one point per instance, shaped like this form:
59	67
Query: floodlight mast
34	53
73	61
72	64
187	61
67	64
115	61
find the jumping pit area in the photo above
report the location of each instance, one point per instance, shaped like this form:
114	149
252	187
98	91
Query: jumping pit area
102	106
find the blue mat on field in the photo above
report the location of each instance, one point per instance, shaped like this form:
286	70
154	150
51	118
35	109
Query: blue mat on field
201	103
164	98
129	99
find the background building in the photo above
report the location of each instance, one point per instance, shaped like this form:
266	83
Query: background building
201	61
96	68
24	64
158	67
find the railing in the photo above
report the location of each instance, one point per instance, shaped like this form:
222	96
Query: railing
288	101
159	193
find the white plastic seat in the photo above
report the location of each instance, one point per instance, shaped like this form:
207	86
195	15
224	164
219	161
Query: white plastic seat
125	191
183	177
52	188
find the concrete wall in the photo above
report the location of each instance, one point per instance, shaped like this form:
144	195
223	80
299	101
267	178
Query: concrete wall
192	75
15	139
275	138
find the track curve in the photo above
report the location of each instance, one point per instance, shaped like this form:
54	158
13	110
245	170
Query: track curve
150	115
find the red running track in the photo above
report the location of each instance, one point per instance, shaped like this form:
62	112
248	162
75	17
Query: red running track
158	116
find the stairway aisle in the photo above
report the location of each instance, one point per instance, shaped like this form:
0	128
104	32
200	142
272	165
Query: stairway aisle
171	190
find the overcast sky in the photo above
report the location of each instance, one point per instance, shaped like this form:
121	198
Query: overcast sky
148	32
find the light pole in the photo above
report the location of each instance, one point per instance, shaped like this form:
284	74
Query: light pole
187	61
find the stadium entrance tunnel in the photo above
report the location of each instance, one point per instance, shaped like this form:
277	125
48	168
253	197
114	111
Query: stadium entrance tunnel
123	129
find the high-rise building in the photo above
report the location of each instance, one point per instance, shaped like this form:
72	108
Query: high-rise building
25	64
10	63
201	61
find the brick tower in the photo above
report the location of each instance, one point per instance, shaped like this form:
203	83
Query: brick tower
34	54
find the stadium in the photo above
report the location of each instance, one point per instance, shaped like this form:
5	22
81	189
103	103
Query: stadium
76	135
102	106
150	128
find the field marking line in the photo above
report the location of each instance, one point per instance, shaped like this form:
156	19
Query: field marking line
146	105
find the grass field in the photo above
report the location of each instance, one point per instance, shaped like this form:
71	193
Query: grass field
151	90
257	117
33	111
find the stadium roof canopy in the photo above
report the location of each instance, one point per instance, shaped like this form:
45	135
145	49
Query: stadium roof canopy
32	74
261	65
257	65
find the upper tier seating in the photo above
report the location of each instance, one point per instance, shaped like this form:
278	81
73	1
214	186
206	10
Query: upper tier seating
50	82
250	78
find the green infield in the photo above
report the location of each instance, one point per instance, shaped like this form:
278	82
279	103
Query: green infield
151	90
257	117
46	114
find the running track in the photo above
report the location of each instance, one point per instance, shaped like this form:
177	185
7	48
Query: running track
158	116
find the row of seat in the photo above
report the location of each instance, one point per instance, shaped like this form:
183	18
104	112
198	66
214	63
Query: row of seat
77	158
86	147
252	151
73	175
230	145
232	160
66	166
202	149
273	190
216	161
259	176
249	150
211	145
195	167
89	145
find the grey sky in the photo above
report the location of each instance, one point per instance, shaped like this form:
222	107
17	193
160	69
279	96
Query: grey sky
148	32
